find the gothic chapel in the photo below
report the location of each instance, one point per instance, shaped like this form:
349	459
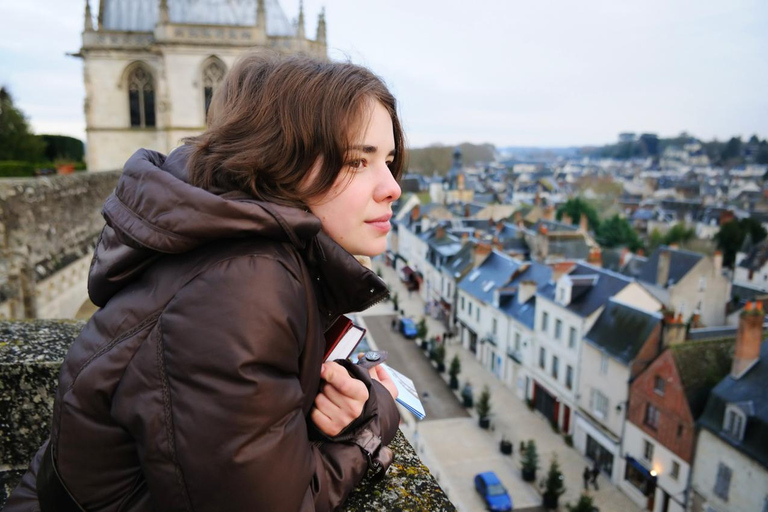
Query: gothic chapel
150	66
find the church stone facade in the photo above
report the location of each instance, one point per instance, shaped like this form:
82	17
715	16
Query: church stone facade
151	66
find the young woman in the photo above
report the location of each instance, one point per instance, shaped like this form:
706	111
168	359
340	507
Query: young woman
199	384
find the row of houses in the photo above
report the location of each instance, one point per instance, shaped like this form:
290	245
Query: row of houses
637	368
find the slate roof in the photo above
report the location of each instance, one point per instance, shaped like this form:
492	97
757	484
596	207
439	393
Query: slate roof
606	286
141	15
701	365
757	257
568	248
525	313
460	263
680	263
621	330
752	389
494	271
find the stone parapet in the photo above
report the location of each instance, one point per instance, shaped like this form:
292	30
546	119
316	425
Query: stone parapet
31	353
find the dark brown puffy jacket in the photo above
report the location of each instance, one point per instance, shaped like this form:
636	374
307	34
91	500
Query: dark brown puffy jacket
190	388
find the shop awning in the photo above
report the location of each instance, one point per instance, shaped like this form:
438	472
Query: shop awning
639	467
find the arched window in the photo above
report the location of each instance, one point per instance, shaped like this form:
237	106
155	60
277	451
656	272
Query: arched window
141	98
213	74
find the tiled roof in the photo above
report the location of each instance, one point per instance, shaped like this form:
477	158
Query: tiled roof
524	313
757	257
751	388
622	330
606	286
494	271
680	263
701	365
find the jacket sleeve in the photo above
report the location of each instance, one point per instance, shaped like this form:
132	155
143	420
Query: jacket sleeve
235	437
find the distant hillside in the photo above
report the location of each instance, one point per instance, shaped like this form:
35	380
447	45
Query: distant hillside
439	158
513	154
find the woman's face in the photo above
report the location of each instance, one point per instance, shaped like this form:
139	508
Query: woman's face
355	211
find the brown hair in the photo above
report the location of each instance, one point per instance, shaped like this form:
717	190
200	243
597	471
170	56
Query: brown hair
273	117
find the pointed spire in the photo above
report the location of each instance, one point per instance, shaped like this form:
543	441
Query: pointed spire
163	16
300	32
101	14
261	15
88	17
321	27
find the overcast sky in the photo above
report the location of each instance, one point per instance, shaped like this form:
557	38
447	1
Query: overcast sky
508	72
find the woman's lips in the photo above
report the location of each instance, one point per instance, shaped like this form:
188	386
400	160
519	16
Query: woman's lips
381	224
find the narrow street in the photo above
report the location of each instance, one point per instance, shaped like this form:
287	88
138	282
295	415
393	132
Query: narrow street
452	445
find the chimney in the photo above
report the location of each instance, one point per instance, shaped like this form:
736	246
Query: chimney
549	212
624	257
518	219
662	270
567	219
464	238
718	261
482	250
543	229
673	331
583	224
526	291
748	338
466	210
537	199
595	257
415	212
440	232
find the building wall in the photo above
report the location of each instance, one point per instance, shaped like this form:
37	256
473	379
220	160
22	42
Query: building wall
614	384
749	480
674	412
639	298
688	293
661	463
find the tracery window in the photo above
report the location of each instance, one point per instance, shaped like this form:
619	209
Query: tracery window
141	98
213	74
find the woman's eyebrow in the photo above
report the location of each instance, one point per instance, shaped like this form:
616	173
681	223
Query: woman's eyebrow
369	149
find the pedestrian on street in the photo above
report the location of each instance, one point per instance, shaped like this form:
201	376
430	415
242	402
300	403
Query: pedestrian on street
394	323
595	474
587	475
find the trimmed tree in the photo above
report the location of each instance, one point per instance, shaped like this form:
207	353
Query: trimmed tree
554	487
483	407
585	504
454	371
530	461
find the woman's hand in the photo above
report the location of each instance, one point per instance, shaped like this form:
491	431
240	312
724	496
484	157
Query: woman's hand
380	374
341	400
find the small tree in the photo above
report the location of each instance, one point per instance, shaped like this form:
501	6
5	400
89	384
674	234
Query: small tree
483	406
585	504
421	329
440	357
454	371
530	461
554	487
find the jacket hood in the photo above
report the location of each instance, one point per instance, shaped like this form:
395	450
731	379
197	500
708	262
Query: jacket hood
155	211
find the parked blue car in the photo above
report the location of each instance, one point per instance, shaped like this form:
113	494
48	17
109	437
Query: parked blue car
493	493
408	328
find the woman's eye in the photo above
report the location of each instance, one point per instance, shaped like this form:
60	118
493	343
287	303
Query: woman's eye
356	164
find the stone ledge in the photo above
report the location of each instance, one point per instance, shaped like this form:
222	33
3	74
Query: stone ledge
31	353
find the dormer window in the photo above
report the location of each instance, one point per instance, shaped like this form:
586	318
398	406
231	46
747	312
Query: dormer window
734	422
475	273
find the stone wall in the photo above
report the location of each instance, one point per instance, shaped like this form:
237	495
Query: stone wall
31	354
45	224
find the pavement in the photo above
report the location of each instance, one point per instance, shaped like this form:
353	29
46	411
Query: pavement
452	444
